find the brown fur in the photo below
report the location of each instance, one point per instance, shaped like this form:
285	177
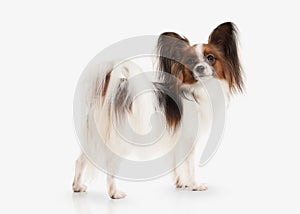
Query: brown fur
170	102
106	83
178	58
224	41
221	73
171	47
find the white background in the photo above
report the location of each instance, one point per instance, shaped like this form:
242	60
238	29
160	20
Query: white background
45	46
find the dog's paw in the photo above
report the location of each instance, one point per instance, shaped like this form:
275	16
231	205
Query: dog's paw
179	185
199	187
79	187
118	195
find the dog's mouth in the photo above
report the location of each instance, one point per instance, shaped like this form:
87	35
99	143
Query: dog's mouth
203	77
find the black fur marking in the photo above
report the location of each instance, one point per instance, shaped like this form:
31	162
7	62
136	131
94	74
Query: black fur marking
171	103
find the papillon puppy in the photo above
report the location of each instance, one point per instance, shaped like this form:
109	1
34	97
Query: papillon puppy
106	99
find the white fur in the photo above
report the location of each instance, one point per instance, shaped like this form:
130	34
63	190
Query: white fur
95	118
208	69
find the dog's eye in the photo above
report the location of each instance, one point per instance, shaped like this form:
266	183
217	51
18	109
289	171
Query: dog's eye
190	60
210	58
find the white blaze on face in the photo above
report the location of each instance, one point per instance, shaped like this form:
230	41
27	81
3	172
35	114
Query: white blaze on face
199	51
207	69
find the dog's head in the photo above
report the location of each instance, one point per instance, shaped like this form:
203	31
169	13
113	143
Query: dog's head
192	63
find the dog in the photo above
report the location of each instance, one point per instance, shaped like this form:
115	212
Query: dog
107	99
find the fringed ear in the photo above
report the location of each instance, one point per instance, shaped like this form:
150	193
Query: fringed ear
225	39
170	48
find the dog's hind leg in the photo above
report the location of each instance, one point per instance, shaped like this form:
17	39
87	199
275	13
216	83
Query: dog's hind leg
80	167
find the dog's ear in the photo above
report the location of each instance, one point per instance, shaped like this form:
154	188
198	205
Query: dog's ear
170	49
172	44
225	39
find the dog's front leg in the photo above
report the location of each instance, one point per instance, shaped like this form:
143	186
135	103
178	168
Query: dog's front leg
112	190
185	175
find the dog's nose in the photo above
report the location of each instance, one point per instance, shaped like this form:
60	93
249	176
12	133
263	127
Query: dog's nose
200	68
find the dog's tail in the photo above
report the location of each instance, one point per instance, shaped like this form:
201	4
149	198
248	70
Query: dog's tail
109	97
130	100
86	99
105	94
